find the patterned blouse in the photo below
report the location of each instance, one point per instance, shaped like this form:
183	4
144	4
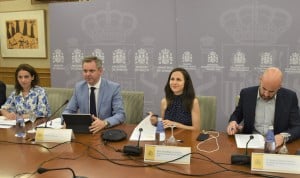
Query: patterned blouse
176	112
36	101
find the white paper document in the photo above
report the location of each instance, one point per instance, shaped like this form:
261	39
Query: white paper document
5	121
257	142
148	133
55	124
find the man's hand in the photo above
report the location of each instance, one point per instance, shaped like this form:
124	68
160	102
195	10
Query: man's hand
233	128
278	140
97	125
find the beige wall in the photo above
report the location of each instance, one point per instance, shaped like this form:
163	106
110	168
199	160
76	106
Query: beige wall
23	5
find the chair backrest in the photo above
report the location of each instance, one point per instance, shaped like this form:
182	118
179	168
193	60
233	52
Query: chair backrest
9	89
56	98
237	98
208	112
133	102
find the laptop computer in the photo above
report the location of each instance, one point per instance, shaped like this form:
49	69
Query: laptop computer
79	123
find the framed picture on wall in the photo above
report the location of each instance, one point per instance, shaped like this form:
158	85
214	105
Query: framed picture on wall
22	34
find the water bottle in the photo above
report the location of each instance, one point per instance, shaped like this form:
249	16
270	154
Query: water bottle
20	127
160	133
270	141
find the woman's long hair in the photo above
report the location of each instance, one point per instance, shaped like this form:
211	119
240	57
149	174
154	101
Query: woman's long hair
32	72
188	94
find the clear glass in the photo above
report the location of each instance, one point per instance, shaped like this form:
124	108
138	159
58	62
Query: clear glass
32	118
284	149
20	127
171	140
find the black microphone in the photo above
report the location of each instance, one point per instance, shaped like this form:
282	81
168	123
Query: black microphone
51	117
138	144
42	170
242	159
134	150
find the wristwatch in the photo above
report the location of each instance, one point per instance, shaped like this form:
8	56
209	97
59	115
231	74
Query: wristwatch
106	124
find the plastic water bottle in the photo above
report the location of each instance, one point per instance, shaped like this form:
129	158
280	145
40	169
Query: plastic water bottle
20	127
270	141
160	133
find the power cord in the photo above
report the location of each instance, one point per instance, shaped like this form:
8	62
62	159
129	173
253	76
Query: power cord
213	135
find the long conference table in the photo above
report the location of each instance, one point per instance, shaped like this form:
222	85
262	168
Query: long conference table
88	156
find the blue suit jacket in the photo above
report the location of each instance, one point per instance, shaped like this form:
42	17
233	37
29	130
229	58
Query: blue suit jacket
286	119
110	102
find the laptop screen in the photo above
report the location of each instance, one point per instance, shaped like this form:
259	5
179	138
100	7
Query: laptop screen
79	123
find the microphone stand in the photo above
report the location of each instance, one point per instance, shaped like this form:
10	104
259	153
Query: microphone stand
134	150
242	159
50	118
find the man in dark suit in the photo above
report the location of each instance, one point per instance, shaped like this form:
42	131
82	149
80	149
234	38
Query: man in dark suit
267	105
2	93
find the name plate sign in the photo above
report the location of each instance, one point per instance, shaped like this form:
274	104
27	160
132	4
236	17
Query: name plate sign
53	135
161	153
275	163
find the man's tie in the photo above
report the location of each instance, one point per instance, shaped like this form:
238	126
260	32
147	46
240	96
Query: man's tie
93	102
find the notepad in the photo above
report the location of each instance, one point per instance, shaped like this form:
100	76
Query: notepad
257	142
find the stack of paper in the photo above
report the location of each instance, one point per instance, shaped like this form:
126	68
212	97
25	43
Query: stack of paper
7	123
257	142
148	133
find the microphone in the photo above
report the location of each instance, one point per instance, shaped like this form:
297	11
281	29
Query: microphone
50	118
134	150
242	159
42	170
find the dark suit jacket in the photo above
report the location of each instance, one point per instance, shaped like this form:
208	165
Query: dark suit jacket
2	93
287	118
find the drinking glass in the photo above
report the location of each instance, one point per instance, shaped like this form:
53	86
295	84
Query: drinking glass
283	149
32	118
171	140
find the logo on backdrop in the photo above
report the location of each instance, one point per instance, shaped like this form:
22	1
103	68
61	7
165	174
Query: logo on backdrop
58	59
165	61
109	25
187	61
141	59
239	61
77	57
294	63
212	62
266	60
266	23
119	60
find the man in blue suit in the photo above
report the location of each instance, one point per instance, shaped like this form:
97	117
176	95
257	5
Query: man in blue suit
266	105
109	110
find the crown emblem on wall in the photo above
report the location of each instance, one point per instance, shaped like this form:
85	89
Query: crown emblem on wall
119	56
99	53
266	58
295	59
109	25
260	24
239	58
212	57
141	56
77	56
187	57
165	57
58	56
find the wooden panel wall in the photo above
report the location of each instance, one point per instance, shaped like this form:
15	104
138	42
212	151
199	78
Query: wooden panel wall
7	75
